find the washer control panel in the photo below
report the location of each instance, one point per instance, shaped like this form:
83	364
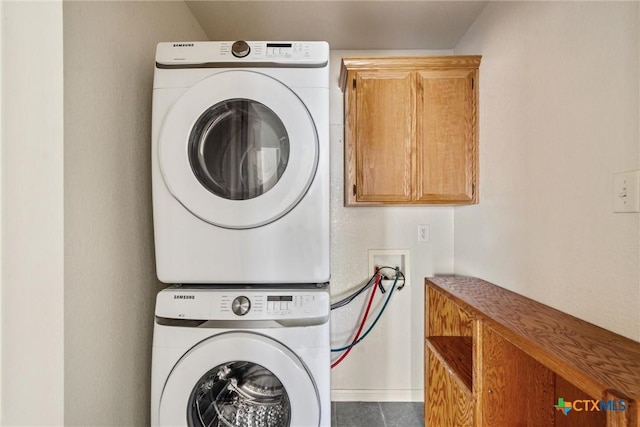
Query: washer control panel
268	306
242	304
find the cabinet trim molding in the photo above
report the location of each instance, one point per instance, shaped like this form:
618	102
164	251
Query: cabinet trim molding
363	63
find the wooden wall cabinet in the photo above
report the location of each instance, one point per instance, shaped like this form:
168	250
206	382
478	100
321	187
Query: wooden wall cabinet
411	129
497	359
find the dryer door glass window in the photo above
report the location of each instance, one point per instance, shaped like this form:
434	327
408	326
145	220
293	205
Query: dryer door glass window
238	149
239	394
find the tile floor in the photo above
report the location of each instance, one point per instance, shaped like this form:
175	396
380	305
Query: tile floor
377	414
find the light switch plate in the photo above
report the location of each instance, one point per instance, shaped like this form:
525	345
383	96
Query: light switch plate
626	191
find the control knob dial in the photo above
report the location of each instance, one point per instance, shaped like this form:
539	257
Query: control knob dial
240	49
241	305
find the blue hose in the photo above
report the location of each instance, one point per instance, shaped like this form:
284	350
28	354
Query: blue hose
353	344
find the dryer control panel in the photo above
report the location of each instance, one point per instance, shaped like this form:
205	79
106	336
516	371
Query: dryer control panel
242	303
242	53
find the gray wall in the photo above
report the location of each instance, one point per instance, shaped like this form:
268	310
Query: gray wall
110	282
31	243
559	110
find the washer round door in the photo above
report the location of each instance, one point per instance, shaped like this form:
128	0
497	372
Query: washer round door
239	149
239	379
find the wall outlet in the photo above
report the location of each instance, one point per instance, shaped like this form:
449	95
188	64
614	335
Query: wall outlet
626	191
424	235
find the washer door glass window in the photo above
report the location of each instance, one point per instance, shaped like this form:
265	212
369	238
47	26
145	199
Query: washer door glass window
238	379
238	149
239	394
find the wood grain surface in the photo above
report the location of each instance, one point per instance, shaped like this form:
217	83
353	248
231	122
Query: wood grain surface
449	405
455	354
364	63
446	135
384	136
516	390
520	343
570	393
444	317
411	130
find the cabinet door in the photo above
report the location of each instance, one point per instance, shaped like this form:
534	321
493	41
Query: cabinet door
384	130
446	158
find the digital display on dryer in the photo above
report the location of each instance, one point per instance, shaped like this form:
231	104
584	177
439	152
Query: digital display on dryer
278	45
287	298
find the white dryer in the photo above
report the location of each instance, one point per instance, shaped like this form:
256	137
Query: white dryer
240	162
241	357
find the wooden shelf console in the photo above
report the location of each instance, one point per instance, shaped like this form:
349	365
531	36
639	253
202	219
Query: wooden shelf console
496	358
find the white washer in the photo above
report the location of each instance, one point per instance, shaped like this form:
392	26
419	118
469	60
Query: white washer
252	356
240	162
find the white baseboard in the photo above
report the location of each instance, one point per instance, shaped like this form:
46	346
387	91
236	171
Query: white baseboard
377	395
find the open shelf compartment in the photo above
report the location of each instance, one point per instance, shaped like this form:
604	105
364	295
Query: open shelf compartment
456	355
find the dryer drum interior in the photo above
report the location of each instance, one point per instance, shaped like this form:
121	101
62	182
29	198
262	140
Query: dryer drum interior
238	149
239	394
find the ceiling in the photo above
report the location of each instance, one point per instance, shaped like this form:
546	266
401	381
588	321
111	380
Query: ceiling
353	24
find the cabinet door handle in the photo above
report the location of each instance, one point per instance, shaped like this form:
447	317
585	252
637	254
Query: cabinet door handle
354	189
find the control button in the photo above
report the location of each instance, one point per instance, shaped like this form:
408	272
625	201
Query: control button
241	306
240	49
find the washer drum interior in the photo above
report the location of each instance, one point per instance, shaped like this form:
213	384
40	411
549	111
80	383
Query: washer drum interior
239	394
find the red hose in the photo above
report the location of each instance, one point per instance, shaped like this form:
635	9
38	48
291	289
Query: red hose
364	320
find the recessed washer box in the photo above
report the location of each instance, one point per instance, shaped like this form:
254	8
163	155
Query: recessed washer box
391	258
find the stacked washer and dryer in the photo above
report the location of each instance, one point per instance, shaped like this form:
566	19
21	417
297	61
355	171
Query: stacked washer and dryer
240	172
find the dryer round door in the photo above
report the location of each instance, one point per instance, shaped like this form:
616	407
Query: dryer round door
239	149
239	379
